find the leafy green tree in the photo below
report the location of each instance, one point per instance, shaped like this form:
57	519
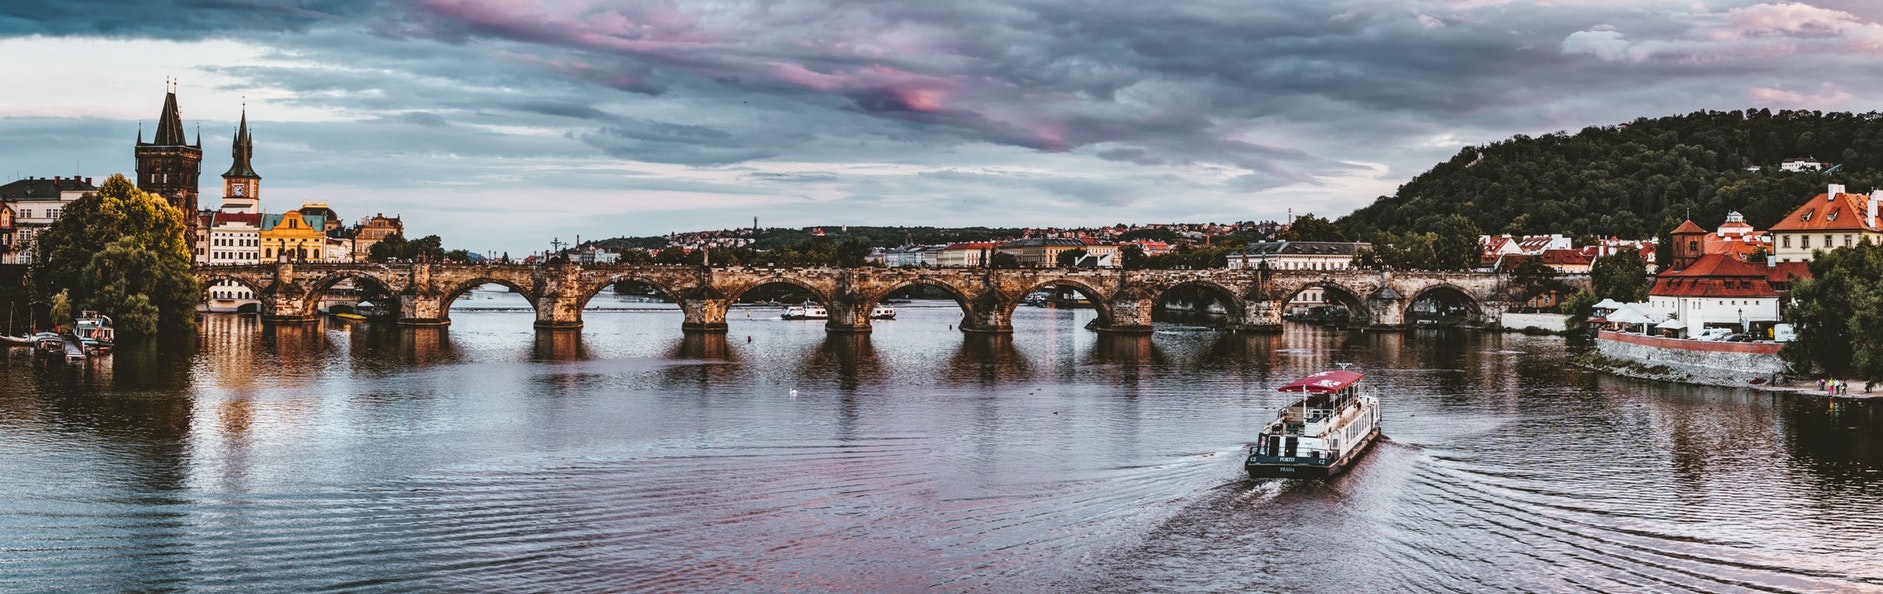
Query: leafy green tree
1131	256
123	252
1533	277
1003	260
1838	314
390	247
853	253
1577	308
1068	258
61	309
1455	245
1620	276
1312	228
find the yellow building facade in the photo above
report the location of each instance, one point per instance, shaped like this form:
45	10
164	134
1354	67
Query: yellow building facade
294	237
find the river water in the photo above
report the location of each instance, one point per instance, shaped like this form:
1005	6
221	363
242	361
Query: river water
630	457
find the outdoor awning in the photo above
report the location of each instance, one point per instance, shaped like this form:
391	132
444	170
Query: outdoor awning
1324	382
1670	325
1609	304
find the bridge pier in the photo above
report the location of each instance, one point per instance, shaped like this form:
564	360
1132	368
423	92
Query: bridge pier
1386	310
1129	313
1262	316
704	315
987	314
848	315
423	311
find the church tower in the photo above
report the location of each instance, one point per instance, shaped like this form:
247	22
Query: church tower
241	187
168	165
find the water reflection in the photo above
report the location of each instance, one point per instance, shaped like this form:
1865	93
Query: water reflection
987	359
632	457
559	344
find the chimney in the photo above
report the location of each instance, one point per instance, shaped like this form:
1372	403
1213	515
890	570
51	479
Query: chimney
1875	195
1832	193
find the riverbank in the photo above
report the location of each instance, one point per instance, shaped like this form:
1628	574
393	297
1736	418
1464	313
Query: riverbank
1774	382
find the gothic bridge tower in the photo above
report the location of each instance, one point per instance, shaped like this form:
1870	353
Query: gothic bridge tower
241	186
168	165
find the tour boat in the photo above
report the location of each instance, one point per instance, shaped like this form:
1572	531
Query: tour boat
883	313
1320	435
808	311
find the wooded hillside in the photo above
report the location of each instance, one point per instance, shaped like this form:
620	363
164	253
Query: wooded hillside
1639	179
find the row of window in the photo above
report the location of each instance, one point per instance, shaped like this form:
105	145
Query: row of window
1804	241
230	241
233	256
51	213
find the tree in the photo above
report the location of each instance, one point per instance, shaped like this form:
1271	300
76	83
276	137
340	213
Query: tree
1131	256
390	247
1455	247
1838	314
1003	260
123	252
1069	258
1577	308
853	253
61	309
1312	228
1620	276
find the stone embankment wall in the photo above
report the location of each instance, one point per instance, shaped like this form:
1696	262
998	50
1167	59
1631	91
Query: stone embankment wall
1733	364
1552	322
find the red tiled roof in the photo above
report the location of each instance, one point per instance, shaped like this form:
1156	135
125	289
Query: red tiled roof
1566	258
1849	212
1715	275
1687	227
970	245
1784	272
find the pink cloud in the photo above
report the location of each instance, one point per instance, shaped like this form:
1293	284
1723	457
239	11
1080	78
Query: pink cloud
1828	97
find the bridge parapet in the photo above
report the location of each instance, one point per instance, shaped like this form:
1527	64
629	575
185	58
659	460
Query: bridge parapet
1253	299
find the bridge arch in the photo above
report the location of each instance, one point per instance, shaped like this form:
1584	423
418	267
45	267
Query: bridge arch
1333	293
1100	300
733	293
964	299
1232	302
590	292
1443	304
318	289
253	285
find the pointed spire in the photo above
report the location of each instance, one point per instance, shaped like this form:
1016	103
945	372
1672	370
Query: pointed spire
140	132
170	122
243	150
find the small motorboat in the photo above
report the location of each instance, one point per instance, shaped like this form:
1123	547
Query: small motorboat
883	313
16	341
1320	435
348	316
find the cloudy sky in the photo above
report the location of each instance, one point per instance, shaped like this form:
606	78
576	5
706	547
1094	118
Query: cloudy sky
502	124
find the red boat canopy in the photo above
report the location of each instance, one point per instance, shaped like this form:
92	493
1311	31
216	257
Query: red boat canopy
1325	382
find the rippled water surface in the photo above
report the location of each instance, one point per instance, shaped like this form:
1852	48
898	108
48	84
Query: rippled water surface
629	457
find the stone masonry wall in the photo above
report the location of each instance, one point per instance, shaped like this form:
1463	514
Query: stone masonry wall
1701	362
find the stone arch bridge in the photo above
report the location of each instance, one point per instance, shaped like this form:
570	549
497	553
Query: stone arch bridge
291	292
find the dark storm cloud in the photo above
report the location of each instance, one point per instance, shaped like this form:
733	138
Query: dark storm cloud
175	19
1167	107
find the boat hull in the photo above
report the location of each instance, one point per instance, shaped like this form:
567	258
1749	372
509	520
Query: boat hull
1303	467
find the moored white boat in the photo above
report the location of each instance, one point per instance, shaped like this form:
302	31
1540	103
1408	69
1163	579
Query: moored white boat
808	311
883	313
94	331
1320	435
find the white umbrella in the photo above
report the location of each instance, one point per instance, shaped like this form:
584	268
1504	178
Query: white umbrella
1609	304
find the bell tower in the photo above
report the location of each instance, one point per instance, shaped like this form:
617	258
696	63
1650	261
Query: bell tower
241	186
168	165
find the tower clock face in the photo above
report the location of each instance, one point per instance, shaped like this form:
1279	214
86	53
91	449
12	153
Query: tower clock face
241	190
